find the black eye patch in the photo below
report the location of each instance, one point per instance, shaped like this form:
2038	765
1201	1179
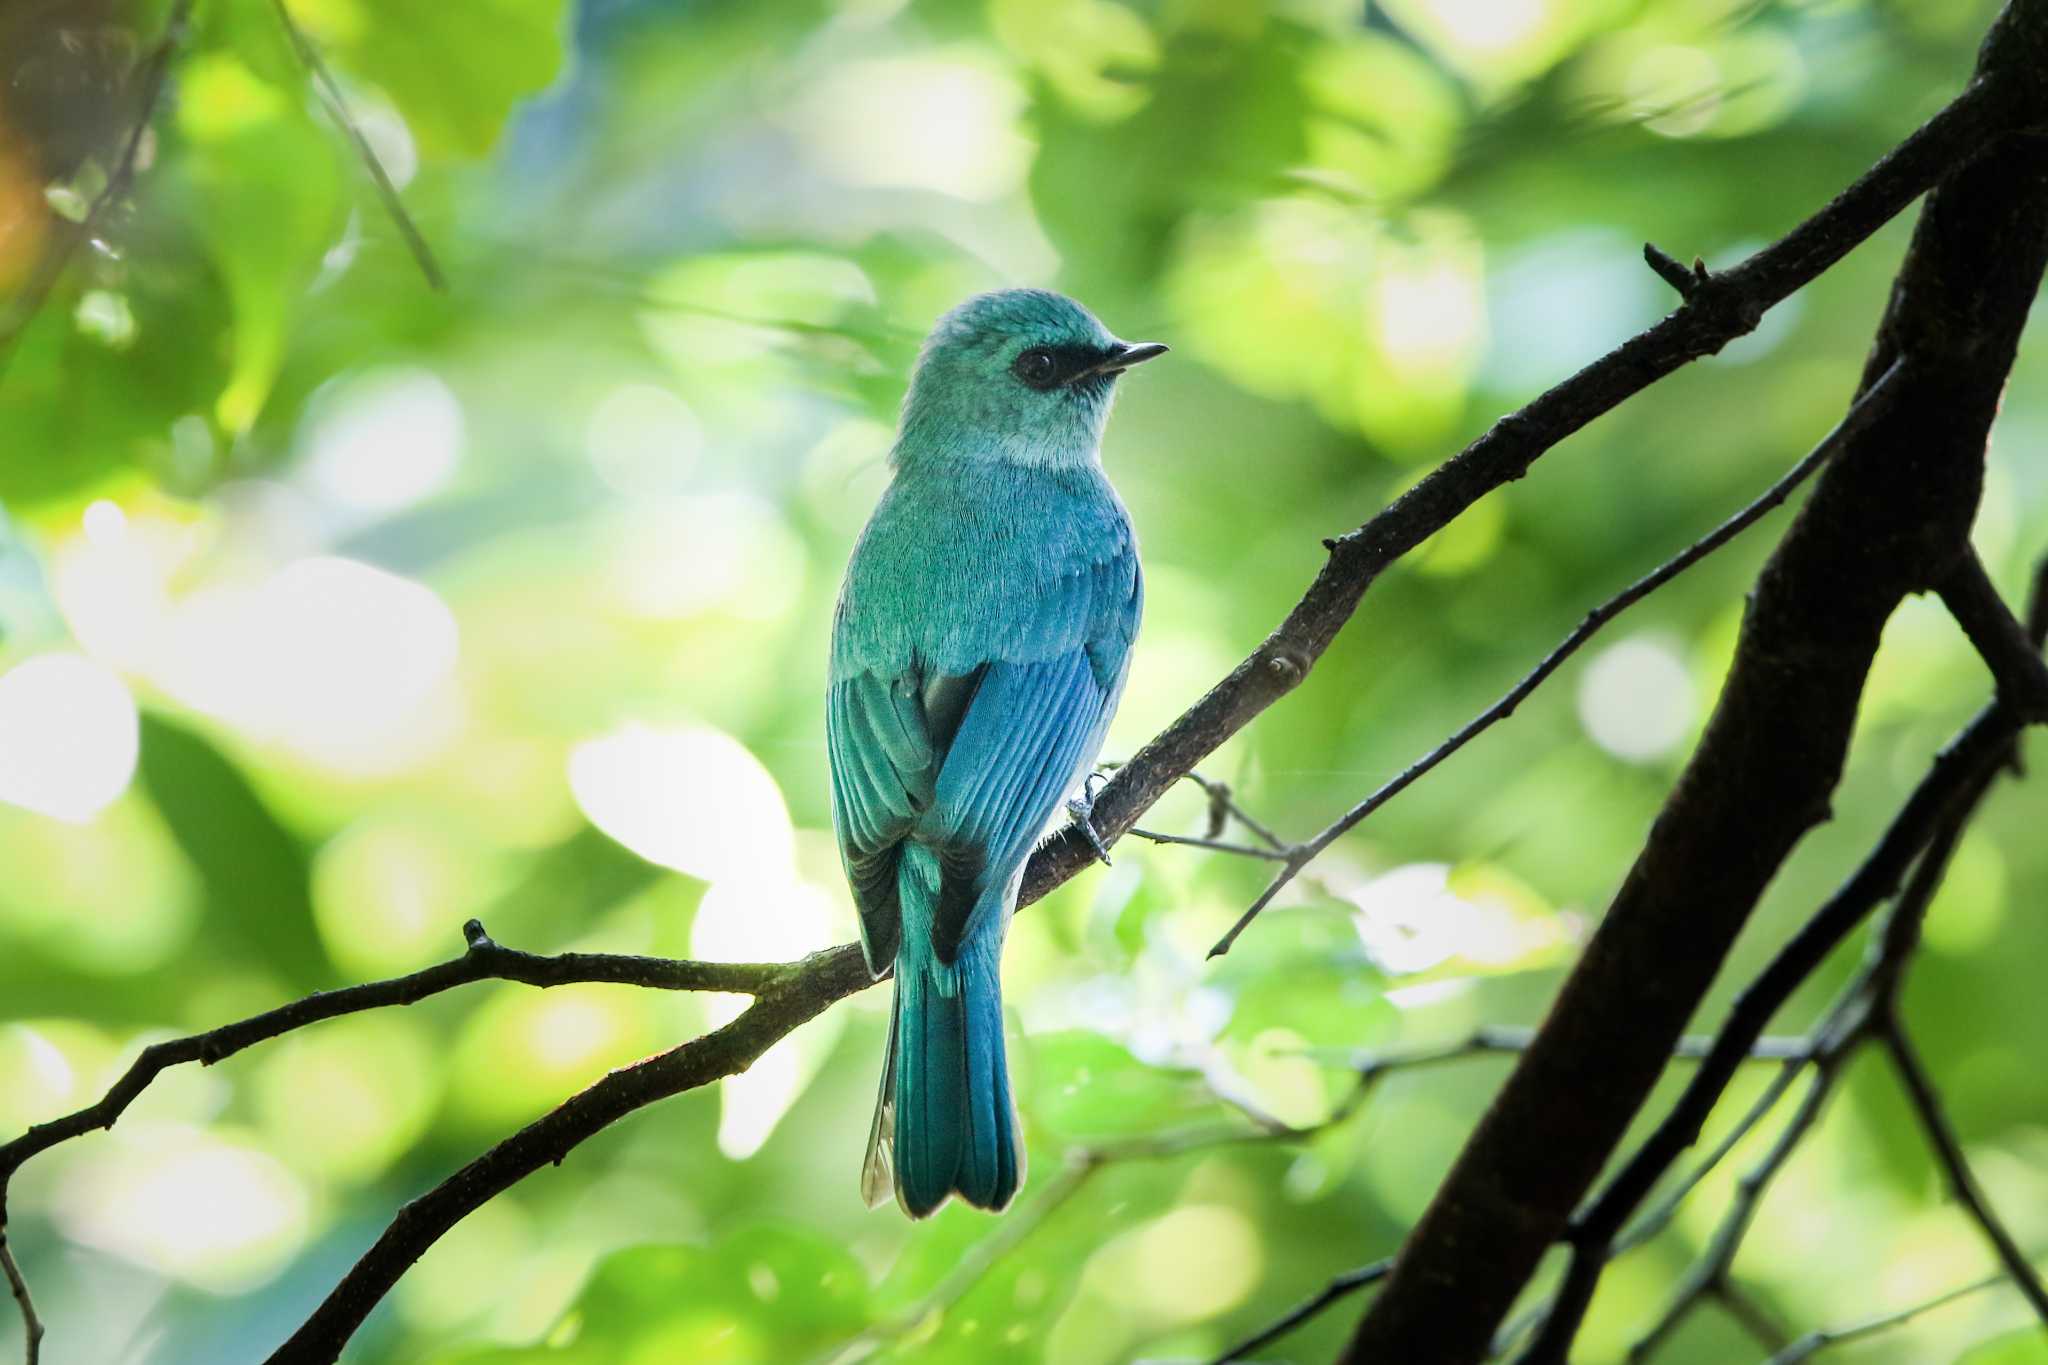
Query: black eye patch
1048	367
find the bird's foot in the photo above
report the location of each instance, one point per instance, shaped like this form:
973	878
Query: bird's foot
1082	809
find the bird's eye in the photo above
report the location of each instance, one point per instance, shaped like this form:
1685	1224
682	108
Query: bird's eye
1036	367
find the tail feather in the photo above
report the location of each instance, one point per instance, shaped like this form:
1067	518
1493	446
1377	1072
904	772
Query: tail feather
944	1123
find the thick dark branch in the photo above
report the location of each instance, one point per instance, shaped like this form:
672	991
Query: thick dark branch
485	960
1948	1151
2015	661
1891	515
1860	414
1926	828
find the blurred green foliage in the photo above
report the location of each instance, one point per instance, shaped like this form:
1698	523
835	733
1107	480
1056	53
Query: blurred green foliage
337	610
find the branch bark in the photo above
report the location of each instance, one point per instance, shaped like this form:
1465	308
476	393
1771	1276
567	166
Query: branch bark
1889	517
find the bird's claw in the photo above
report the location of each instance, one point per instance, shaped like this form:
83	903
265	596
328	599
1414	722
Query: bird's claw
1081	808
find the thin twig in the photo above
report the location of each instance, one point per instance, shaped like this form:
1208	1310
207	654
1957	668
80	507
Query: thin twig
1948	1151
337	108
1213	845
31	1325
1708	1277
1223	803
1817	1341
1859	416
1340	1287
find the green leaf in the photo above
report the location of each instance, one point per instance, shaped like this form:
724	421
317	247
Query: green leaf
265	193
454	71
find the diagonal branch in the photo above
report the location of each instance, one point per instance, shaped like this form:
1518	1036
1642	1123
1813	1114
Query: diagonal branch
1859	417
31	1325
337	108
2014	660
1948	1152
1813	1343
1339	1288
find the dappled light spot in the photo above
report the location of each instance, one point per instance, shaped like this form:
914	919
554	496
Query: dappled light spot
672	558
69	737
380	440
203	1208
1196	1262
643	438
1422	915
345	663
1636	699
690	799
390	895
347	1100
525	1049
944	121
114	895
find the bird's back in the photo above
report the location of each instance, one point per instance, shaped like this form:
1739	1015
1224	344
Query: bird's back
970	563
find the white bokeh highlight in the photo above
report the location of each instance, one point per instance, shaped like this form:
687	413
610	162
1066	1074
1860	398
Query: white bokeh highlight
1636	699
69	736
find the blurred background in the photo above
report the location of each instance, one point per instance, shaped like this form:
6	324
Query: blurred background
335	610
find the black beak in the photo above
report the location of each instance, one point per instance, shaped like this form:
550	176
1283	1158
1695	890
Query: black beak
1123	355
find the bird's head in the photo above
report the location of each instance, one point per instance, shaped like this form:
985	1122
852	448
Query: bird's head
1022	375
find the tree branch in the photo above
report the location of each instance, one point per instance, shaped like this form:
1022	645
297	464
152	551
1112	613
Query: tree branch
31	1325
484	960
1859	417
1948	1152
2014	660
1813	1343
1890	516
1340	1287
337	108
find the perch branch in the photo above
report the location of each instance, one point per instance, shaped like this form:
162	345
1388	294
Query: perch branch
484	960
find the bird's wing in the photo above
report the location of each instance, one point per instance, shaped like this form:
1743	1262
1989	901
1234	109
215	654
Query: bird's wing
962	706
884	766
1029	727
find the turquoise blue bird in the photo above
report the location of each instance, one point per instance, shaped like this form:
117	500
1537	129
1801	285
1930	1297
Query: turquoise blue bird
981	643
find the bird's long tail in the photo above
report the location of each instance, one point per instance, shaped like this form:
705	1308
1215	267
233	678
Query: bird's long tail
944	1123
